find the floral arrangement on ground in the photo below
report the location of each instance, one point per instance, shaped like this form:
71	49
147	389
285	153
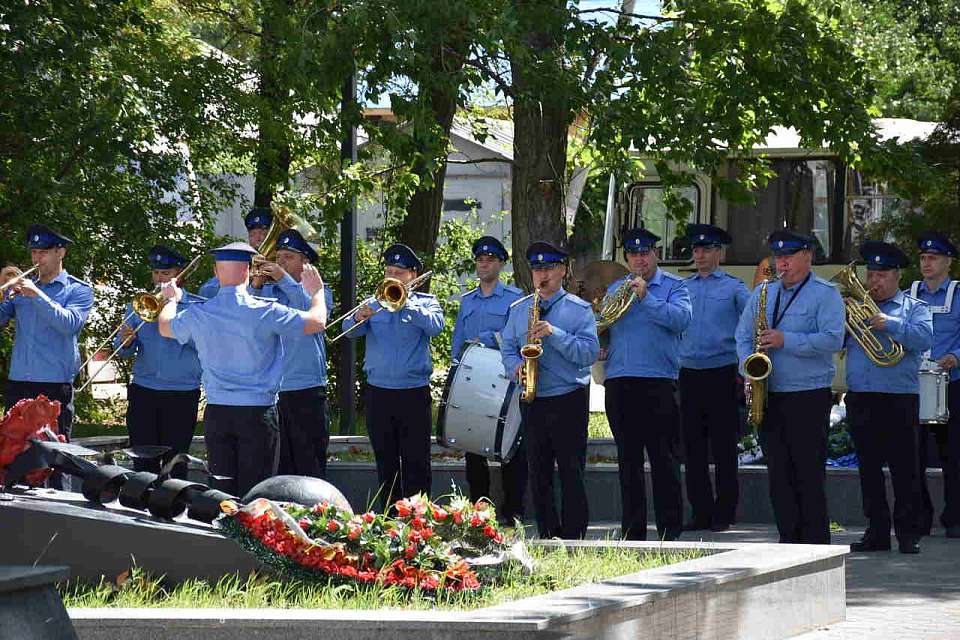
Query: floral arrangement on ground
451	545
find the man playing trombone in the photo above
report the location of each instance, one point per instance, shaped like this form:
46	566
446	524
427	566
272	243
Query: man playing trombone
163	396
50	311
238	341
398	368
883	404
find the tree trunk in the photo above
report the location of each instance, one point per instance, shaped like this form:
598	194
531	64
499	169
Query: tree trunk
421	226
541	116
273	146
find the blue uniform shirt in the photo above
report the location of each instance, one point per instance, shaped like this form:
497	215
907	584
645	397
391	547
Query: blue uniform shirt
209	289
645	342
718	300
45	349
238	340
946	326
162	363
398	344
481	317
567	353
304	357
909	323
813	329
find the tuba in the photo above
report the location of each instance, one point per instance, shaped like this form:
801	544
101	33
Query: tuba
530	352
883	352
283	219
758	366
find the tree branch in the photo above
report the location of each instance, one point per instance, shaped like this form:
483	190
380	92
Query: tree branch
628	14
501	83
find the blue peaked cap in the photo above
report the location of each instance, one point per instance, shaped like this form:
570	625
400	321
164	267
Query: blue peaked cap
787	243
40	236
882	256
292	240
933	242
707	235
258	217
400	255
637	240
162	257
544	254
490	246
234	252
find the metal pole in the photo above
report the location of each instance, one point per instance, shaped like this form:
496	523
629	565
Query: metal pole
348	265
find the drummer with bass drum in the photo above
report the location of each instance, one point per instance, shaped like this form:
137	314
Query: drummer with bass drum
938	291
482	315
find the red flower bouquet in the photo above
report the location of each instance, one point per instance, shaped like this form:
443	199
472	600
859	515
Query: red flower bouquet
427	546
29	419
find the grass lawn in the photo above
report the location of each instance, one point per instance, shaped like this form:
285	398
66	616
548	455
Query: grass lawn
556	569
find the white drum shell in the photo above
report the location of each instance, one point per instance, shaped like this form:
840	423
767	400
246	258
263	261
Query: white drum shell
933	396
475	409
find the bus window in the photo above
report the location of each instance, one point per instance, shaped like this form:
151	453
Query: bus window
645	202
801	196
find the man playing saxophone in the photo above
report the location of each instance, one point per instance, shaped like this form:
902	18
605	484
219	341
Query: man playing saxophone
642	370
805	317
708	382
883	402
555	422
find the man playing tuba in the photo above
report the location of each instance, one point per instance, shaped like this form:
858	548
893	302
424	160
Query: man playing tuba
883	401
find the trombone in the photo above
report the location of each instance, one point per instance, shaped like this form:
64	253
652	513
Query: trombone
16	279
146	306
392	295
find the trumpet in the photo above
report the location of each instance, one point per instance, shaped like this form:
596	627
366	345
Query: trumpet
146	305
16	279
391	293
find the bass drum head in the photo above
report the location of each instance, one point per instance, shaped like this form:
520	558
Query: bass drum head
933	397
508	430
473	402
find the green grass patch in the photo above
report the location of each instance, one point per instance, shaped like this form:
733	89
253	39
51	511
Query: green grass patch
598	426
556	568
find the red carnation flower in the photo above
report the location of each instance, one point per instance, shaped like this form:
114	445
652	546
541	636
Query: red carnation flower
333	526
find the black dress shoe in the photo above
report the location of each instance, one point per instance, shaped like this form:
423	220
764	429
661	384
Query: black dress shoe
696	525
870	544
908	545
953	531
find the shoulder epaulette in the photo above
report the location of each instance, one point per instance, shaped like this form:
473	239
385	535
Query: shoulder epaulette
670	274
513	289
832	285
423	294
73	278
578	301
516	302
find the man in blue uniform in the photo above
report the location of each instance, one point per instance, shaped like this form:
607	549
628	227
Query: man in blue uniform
257	221
164	393
642	369
238	340
937	290
883	404
398	367
302	406
555	423
50	308
805	320
708	382
483	314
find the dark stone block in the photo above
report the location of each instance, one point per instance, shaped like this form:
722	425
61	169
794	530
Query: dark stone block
30	607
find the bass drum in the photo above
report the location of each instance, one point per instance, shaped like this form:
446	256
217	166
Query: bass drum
933	396
480	409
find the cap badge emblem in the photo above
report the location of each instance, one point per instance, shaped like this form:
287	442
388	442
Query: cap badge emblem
539	256
876	259
929	243
35	238
780	244
396	257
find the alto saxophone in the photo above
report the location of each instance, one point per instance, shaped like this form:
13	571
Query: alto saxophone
530	352
757	366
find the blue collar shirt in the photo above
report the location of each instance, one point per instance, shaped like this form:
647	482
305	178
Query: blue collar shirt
946	326
238	339
482	317
162	364
567	353
645	342
398	344
304	357
209	289
718	300
908	322
813	330
45	348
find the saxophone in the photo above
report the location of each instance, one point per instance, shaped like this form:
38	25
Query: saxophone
757	366
530	352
